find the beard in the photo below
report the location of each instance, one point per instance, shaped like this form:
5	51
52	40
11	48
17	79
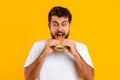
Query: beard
60	33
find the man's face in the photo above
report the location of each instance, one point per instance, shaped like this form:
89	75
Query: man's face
59	27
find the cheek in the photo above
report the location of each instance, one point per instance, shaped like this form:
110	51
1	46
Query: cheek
53	30
67	30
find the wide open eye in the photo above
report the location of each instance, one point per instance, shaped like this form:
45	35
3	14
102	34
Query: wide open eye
55	24
64	24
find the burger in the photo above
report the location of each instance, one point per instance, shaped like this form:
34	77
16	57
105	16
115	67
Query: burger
59	47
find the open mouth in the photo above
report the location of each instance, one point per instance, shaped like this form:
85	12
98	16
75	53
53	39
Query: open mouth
60	35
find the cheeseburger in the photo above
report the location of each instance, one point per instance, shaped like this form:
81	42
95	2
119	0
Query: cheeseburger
59	47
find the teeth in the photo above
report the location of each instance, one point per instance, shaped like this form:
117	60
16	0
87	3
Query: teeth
60	35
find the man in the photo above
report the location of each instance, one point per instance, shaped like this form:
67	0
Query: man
48	62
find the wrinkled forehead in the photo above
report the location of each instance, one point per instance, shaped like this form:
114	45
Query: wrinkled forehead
59	19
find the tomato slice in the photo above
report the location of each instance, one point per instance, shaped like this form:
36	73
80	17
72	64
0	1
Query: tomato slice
60	38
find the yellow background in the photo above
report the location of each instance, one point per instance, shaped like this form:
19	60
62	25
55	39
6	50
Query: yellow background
95	23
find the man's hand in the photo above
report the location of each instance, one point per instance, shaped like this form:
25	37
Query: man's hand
32	71
84	70
71	45
48	49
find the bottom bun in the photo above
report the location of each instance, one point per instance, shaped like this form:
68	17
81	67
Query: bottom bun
57	49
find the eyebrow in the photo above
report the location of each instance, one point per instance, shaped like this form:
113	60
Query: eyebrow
54	22
65	21
57	22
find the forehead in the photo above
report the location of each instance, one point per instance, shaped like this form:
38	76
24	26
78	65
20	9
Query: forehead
59	19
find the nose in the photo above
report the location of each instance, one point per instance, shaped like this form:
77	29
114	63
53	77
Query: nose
60	28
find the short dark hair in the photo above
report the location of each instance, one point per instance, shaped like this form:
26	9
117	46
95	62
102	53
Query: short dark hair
60	12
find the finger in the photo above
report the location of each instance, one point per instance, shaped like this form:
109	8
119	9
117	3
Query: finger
66	43
54	42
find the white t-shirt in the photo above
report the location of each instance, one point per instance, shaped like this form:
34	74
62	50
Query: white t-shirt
58	65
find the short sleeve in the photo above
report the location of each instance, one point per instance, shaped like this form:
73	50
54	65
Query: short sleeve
83	51
34	53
